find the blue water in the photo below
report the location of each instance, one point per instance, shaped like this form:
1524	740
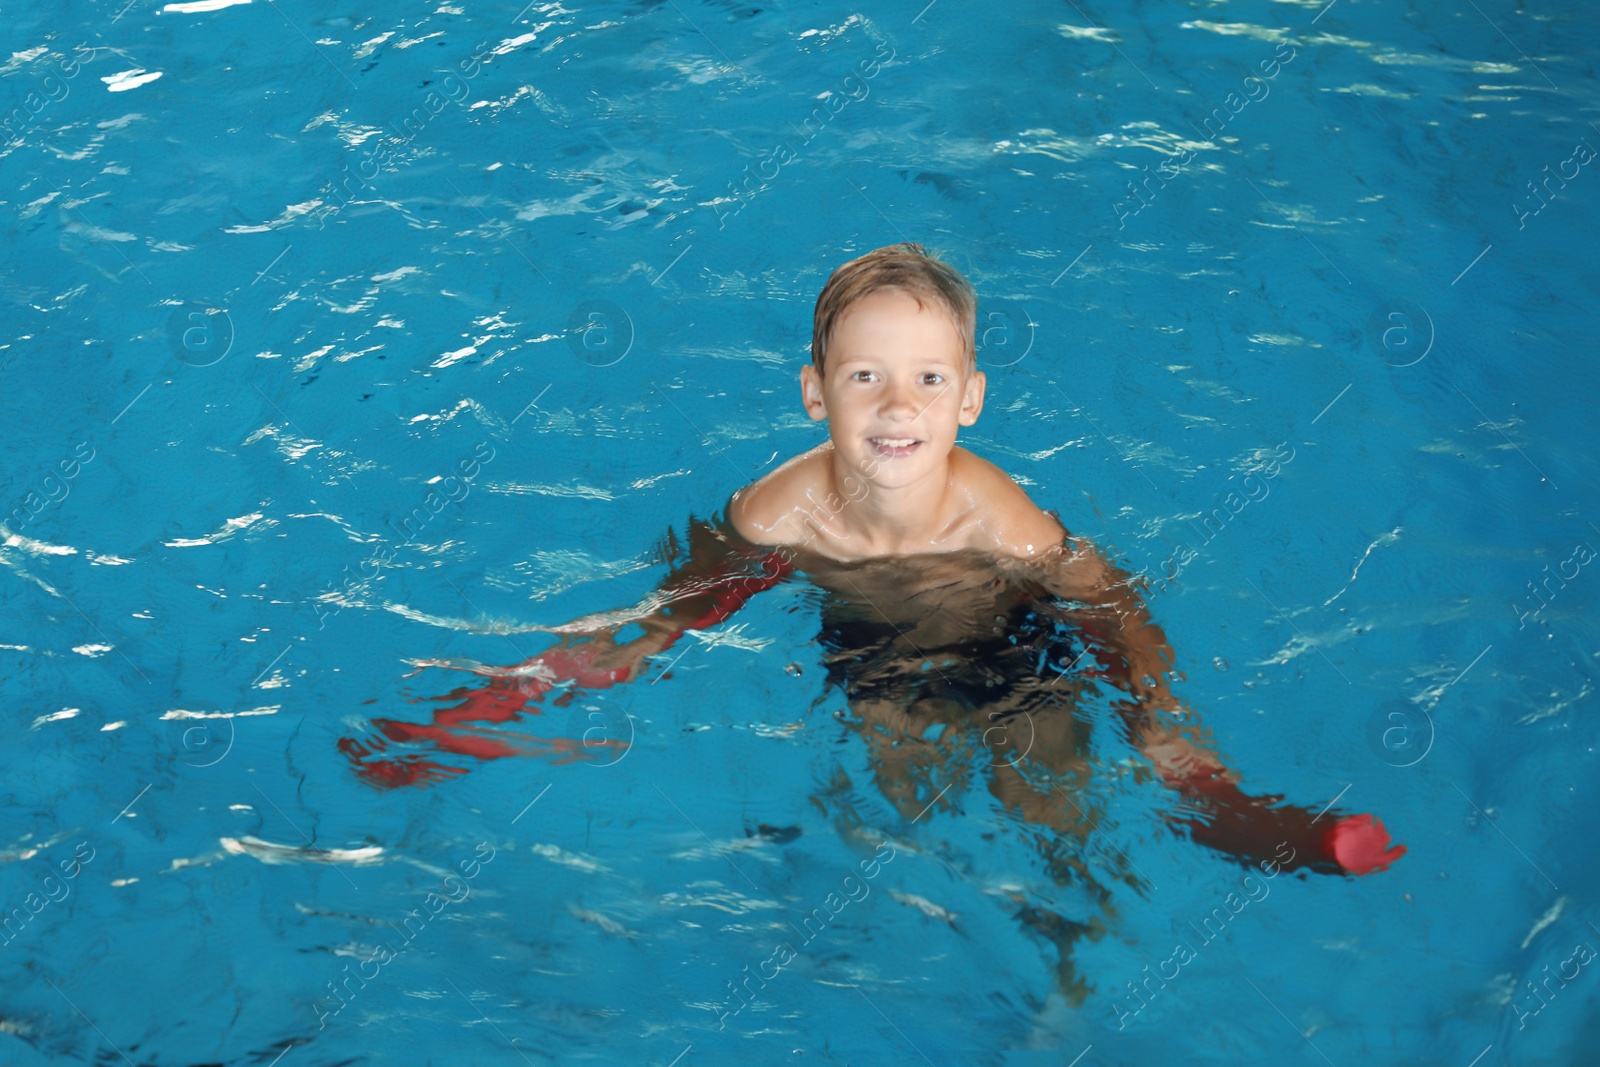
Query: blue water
265	312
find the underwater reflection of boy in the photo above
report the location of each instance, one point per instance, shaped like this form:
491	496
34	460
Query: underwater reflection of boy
923	548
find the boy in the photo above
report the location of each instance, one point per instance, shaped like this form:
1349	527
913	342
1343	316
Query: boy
894	373
936	562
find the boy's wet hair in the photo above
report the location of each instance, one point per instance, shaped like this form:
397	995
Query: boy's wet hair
908	267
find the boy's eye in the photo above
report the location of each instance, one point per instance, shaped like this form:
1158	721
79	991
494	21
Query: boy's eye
928	378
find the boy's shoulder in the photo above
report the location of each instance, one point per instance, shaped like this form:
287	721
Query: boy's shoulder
769	510
1010	522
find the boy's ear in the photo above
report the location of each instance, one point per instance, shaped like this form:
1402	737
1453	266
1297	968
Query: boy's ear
972	399
811	393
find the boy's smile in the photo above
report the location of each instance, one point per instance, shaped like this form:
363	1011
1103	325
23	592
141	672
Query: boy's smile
895	390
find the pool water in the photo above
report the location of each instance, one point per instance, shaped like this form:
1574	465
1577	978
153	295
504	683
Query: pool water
342	350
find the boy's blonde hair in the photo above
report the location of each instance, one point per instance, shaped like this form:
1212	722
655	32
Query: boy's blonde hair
908	267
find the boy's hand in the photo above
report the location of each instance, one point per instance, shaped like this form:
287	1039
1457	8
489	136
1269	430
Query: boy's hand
596	662
1248	827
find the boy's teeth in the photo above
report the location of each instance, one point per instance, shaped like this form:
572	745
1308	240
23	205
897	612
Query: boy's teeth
895	442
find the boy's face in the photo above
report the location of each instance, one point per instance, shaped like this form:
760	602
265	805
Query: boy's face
896	388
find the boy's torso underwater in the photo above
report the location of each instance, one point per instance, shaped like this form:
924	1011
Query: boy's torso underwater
955	638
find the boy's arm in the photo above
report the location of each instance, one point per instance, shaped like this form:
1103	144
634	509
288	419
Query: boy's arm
720	573
1132	653
718	576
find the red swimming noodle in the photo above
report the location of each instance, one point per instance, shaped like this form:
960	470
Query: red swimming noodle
506	697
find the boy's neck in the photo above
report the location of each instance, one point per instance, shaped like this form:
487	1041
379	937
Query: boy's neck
883	521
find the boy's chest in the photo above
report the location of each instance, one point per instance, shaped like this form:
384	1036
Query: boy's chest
924	602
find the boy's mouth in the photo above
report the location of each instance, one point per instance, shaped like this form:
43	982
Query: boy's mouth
894	446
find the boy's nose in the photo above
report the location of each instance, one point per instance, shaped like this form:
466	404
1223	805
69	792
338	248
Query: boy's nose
899	399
